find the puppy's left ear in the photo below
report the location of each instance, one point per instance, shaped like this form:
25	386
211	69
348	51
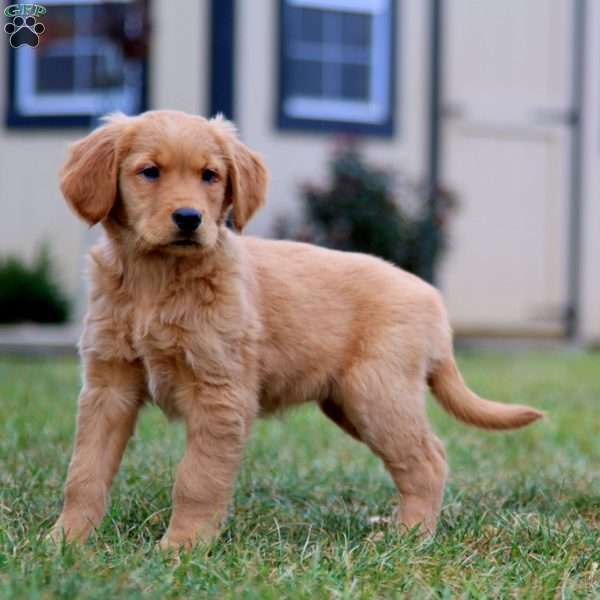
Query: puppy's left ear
248	177
88	179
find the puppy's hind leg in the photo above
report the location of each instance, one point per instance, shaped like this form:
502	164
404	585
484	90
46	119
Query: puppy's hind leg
334	411
388	412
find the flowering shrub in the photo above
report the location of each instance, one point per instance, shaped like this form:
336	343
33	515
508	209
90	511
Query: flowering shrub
376	211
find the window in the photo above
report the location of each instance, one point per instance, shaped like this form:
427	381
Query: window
336	65
90	60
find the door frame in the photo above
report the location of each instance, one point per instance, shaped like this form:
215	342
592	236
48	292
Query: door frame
575	242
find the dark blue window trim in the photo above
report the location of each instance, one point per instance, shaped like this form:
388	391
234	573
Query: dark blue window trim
222	57
14	119
285	122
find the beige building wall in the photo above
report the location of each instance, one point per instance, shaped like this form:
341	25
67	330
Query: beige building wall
33	210
295	157
31	205
179	59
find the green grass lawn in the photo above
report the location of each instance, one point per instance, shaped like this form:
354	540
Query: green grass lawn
521	514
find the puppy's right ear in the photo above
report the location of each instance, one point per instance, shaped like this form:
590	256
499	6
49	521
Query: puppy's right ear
88	179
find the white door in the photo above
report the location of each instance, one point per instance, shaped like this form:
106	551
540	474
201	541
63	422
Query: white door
506	111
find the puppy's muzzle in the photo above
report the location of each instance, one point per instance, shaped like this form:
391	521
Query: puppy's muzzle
187	219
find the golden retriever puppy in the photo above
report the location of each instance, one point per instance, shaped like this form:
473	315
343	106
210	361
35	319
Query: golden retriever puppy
218	329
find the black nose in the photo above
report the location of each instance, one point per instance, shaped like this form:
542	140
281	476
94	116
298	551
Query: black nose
187	219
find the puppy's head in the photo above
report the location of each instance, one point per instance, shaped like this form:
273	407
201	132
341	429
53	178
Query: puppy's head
167	179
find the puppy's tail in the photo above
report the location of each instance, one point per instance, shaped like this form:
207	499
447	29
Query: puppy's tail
452	393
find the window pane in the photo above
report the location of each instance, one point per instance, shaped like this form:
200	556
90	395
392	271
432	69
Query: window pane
83	49
55	74
306	78
106	73
311	25
60	24
356	30
90	60
336	63
355	82
329	53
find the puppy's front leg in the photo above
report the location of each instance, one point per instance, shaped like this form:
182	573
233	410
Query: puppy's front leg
109	403
218	424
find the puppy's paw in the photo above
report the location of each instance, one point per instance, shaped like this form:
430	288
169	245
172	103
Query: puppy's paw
61	533
57	535
176	541
170	545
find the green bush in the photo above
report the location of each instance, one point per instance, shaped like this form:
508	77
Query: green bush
31	293
371	210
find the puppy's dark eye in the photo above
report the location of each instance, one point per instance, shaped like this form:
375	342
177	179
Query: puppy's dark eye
209	176
150	172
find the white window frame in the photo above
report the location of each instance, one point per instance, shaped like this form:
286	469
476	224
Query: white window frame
376	110
30	103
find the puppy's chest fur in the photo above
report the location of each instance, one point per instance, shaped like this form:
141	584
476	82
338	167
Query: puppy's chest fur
188	330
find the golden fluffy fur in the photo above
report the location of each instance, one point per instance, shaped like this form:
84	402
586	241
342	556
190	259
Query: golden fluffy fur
226	328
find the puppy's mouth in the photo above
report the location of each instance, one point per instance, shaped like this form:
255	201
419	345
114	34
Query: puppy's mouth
184	242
